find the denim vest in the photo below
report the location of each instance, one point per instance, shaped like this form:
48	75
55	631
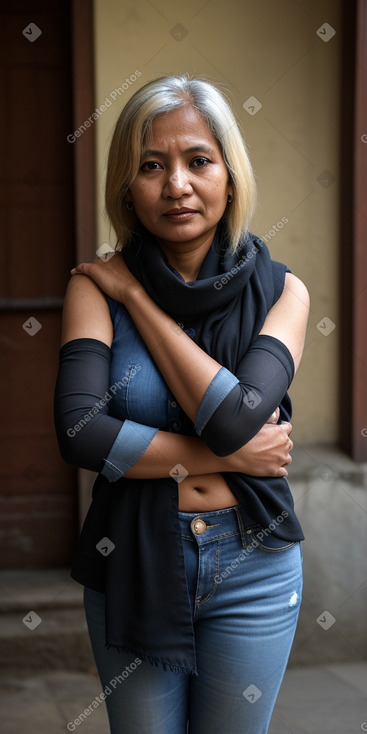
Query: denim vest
140	393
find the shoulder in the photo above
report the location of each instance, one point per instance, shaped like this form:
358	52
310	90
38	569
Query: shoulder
86	312
296	290
81	287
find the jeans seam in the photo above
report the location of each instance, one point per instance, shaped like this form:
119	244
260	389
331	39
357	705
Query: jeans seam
201	601
241	527
264	549
220	537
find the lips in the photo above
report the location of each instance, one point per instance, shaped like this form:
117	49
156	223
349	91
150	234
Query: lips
180	214
181	210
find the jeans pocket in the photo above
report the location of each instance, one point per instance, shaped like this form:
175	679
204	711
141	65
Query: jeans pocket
269	543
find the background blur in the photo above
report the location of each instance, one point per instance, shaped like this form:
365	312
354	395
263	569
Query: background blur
295	73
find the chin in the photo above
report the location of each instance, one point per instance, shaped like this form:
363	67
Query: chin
177	232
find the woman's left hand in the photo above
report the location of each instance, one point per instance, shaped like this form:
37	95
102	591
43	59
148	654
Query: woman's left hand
112	276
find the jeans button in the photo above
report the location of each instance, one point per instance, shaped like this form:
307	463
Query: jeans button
198	526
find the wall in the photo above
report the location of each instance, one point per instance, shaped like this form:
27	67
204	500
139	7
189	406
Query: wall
270	51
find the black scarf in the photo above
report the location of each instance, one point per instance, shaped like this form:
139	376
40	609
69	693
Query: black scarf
147	604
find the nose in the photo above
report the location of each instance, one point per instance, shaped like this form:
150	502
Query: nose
177	184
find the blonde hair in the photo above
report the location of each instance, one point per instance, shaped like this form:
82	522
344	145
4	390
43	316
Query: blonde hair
132	131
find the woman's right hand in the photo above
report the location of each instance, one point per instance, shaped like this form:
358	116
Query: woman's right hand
267	454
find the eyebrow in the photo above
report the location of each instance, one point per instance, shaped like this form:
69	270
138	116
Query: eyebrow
200	148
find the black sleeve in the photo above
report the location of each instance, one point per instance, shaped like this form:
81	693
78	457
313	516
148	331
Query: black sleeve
84	429
264	375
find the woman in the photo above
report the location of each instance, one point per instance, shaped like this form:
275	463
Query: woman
176	358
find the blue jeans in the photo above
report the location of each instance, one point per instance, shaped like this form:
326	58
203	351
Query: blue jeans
245	589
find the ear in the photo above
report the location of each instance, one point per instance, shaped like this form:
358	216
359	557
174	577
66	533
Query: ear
128	201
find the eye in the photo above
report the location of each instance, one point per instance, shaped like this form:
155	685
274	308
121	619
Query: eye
200	162
150	166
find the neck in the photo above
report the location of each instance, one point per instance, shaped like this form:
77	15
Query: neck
187	257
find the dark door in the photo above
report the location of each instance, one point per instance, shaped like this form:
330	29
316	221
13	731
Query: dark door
38	492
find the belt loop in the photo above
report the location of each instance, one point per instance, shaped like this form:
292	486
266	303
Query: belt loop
243	534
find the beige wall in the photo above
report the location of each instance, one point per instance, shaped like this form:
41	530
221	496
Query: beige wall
269	50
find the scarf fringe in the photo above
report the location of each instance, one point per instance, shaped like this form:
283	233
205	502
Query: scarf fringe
177	669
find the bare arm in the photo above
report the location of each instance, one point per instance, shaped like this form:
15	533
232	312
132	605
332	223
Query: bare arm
186	368
86	315
287	320
195	378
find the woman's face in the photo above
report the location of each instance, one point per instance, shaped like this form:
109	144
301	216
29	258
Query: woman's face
182	187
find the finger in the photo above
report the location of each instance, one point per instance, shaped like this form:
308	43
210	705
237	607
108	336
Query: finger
274	416
286	426
85	269
79	269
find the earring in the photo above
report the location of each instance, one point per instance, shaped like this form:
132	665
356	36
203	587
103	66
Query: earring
129	206
230	199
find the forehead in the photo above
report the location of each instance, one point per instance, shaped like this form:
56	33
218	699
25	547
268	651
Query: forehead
181	127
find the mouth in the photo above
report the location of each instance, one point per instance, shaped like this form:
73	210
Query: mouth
180	214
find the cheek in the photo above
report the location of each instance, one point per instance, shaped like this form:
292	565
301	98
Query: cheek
219	184
217	193
143	194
